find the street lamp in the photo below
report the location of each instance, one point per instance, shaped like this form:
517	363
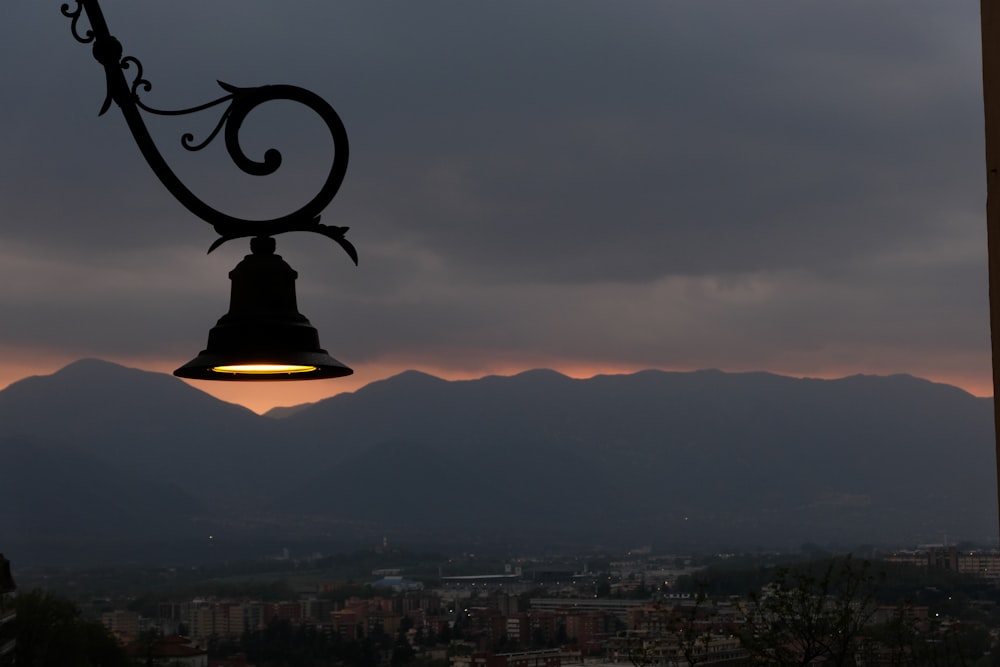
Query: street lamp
263	336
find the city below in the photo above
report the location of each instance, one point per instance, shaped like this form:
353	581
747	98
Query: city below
388	606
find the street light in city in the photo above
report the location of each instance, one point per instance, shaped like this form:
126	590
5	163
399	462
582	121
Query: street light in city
263	336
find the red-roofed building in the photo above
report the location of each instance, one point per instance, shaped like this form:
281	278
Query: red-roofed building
346	623
169	652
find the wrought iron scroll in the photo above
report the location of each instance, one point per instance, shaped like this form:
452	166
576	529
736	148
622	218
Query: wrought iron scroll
238	104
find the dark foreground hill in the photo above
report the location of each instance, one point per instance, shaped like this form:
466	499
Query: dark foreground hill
683	460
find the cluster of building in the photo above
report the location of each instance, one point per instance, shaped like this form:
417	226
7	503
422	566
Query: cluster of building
425	615
488	621
204	619
978	563
474	632
485	622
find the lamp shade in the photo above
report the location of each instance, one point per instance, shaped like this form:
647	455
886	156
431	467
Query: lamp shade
263	336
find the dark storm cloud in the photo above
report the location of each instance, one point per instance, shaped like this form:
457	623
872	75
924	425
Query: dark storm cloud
686	143
674	184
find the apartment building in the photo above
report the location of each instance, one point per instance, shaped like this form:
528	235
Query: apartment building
982	564
123	625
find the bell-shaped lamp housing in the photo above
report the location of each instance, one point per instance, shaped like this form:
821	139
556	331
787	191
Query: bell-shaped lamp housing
263	336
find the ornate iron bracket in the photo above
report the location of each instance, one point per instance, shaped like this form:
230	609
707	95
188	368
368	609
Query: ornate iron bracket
239	103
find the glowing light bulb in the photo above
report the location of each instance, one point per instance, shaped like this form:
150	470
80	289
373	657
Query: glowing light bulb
263	369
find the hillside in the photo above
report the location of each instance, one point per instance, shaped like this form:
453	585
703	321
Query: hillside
684	460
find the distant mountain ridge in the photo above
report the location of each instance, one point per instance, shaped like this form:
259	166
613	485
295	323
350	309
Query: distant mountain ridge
536	459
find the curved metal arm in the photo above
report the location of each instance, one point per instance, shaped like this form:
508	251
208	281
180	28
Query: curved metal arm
240	103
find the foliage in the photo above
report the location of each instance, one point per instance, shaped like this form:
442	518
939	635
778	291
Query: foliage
804	616
834	612
283	644
350	590
50	633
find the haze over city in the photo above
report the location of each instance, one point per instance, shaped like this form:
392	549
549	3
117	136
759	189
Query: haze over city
589	187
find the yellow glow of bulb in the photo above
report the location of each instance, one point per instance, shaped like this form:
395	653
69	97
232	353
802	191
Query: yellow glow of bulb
263	369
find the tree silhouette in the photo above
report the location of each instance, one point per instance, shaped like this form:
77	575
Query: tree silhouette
50	633
803	616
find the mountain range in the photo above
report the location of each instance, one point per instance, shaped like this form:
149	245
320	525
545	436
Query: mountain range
112	461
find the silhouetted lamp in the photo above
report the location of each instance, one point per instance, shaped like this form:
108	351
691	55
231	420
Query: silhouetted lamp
263	336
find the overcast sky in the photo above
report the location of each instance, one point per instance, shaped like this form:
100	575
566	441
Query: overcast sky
788	186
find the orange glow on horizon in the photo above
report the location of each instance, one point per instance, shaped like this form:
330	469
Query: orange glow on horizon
261	397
